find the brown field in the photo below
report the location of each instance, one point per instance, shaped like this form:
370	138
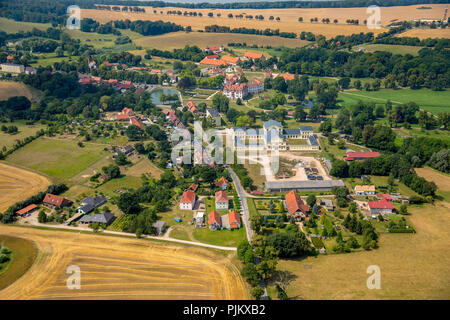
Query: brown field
413	266
143	166
426	33
10	89
441	179
289	18
202	39
17	184
122	268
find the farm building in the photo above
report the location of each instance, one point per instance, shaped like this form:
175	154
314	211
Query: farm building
353	156
254	55
295	205
381	206
54	201
214	221
221	200
230	59
103	218
90	203
364	190
303	186
25	212
187	201
12	68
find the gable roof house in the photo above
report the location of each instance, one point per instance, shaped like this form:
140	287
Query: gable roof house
27	210
54	201
254	55
234	220
222	183
295	205
103	218
90	203
381	207
364	190
230	59
221	200
352	156
214	221
187	201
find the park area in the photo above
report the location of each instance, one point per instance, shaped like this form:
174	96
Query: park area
123	268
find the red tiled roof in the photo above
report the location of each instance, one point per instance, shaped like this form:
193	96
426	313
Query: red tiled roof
363	154
214	217
122	117
26	209
221	182
287	76
136	122
234	219
384	196
221	196
188	197
193	187
294	203
381	204
230	59
213	56
213	62
54	200
253	55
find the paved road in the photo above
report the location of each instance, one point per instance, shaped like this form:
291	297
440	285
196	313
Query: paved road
127	234
243	200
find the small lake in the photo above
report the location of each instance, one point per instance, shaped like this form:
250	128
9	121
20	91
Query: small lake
156	95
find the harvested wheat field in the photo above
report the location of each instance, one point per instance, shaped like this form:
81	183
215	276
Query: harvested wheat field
10	89
412	266
203	39
288	18
441	179
18	184
426	33
122	268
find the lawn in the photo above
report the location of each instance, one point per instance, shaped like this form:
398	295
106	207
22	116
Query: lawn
11	26
340	153
10	89
58	158
229	238
8	140
380	181
394	49
432	101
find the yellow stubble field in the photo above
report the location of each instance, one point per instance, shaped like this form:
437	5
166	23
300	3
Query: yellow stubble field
288	18
122	268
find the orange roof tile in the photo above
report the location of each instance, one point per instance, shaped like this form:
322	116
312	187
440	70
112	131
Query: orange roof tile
253	55
214	217
294	203
230	59
221	196
213	62
26	209
188	197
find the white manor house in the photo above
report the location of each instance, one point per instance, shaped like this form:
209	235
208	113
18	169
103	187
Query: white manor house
273	137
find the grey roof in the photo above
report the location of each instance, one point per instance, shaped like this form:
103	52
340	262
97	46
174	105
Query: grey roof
273	134
87	208
238	142
159	225
313	141
307	103
213	112
253	131
304	184
327	202
239	128
291	131
306	128
95	202
105	217
272	123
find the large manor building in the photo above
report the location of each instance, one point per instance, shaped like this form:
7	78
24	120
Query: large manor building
273	137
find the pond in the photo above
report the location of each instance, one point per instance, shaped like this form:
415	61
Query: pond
159	96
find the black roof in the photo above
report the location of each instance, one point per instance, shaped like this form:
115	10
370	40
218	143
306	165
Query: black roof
105	217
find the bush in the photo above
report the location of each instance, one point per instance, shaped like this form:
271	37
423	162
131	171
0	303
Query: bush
4	258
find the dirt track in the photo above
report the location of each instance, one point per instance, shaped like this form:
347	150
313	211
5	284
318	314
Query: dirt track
18	184
120	268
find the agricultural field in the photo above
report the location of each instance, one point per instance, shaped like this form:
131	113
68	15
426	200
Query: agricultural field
441	179
123	268
8	140
413	266
432	101
23	254
426	33
11	26
17	184
288	18
394	49
61	159
10	89
203	39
